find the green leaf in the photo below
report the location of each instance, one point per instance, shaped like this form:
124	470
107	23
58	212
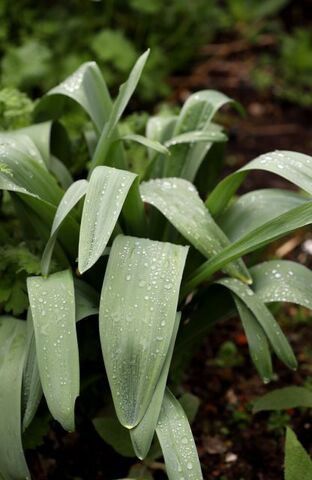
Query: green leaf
257	341
190	404
264	317
137	316
53	310
12	355
179	202
255	208
71	197
114	434
87	300
125	93
212	135
176	440
87	88
142	435
106	193
270	231
283	281
284	398
293	166
298	464
32	390
146	142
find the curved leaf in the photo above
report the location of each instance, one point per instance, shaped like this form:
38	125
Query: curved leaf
264	317
137	316
272	230
146	142
86	87
142	435
52	305
179	202
12	355
283	281
257	341
293	166
283	399
176	440
71	197
106	193
125	93
255	208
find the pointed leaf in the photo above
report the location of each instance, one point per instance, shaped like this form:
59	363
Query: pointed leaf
257	341
137	316
107	191
264	317
293	166
71	197
176	440
283	399
179	202
283	281
87	300
12	355
146	142
86	87
256	208
211	135
298	464
272	230
142	435
52	305
125	93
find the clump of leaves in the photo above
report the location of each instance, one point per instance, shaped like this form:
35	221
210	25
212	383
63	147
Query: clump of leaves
157	266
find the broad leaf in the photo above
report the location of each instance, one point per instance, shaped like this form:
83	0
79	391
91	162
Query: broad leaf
255	208
52	305
261	236
87	88
283	399
283	281
106	193
179	202
176	440
298	464
71	197
264	317
137	316
12	355
142	435
293	166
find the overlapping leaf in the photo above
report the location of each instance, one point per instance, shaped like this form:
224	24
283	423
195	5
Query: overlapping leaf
86	87
178	200
293	166
264	317
106	193
283	281
176	440
256	208
52	305
142	435
12	354
272	230
137	316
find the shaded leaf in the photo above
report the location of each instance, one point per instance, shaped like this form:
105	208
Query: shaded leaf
110	429
179	202
298	464
176	440
283	399
52	304
137	316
